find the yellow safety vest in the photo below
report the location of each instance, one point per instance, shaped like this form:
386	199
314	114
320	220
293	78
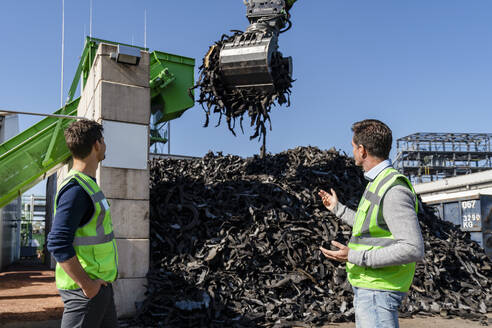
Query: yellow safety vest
371	232
94	242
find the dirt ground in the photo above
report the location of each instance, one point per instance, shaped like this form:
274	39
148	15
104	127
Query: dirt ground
29	294
428	322
29	299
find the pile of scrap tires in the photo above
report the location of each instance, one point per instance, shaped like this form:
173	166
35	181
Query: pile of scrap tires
235	243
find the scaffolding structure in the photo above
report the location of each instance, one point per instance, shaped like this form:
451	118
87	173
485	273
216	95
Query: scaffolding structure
425	157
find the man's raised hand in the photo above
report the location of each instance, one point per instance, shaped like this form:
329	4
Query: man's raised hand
330	200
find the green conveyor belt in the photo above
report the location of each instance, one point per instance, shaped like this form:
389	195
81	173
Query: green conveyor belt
23	161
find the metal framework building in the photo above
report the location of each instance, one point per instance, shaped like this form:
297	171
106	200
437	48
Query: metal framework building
425	157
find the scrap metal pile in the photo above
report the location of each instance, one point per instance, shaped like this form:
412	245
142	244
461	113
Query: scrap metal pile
234	243
217	96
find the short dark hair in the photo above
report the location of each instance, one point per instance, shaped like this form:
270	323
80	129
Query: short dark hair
375	136
81	135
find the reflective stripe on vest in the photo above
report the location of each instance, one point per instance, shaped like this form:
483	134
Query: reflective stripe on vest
371	241
371	232
374	199
97	198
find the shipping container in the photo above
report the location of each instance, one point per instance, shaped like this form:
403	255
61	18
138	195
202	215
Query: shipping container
471	210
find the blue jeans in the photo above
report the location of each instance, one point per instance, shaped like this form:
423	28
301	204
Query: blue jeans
376	308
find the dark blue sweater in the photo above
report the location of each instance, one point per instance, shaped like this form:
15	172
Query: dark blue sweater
74	209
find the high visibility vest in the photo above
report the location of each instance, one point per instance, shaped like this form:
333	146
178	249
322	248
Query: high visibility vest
371	232
94	242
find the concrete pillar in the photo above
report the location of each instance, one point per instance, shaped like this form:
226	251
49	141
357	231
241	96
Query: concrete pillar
118	96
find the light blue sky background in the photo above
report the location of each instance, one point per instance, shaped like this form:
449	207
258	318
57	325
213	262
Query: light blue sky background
420	65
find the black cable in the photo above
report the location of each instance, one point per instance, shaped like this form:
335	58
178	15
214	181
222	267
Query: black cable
289	23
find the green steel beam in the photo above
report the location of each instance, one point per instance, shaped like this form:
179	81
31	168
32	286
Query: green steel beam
78	72
22	157
47	158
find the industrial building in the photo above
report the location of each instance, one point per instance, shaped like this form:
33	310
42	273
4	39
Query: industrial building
426	157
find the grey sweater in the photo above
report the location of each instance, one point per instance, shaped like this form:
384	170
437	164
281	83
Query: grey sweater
398	206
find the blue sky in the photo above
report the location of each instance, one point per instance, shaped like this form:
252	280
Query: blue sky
419	66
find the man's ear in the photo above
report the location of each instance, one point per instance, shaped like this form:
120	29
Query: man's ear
363	151
96	146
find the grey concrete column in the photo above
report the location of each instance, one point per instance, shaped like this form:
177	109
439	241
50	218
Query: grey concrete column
118	96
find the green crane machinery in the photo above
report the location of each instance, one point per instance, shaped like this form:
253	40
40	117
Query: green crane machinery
38	151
